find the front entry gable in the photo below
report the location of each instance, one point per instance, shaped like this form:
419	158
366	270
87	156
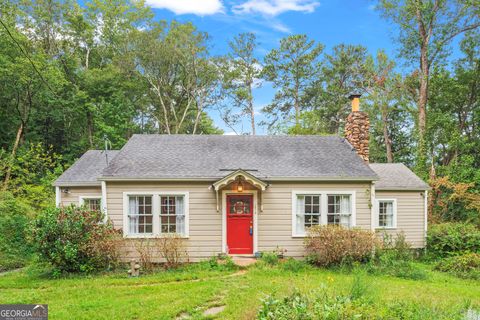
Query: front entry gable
240	174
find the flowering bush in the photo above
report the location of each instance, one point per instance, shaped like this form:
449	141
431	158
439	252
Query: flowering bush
75	239
331	245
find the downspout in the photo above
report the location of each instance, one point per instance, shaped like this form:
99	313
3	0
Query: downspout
372	207
425	217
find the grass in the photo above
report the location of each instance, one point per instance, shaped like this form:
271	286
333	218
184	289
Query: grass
166	294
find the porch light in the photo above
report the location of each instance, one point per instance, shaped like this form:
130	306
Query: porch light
239	185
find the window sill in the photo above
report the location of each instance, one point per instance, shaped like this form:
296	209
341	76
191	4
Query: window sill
385	228
299	236
150	236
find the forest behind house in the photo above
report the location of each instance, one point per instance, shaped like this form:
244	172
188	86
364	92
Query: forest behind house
78	77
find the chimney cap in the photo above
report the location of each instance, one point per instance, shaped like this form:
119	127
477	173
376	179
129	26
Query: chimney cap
354	95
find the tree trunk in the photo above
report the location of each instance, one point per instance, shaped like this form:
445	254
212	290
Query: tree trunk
422	110
297	110
90	128
12	156
386	137
423	93
197	120
252	111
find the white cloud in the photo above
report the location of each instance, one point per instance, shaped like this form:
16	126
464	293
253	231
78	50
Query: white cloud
230	133
201	8
280	27
275	7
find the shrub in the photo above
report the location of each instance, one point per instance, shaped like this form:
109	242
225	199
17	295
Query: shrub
464	266
172	249
449	239
75	239
394	258
222	263
333	245
14	217
270	258
397	246
145	250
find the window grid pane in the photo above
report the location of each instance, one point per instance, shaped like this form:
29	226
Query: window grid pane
140	215
171	214
385	214
311	210
339	210
92	204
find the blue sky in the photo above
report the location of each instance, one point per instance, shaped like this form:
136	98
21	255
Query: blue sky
327	21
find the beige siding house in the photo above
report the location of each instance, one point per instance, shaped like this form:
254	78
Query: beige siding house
241	195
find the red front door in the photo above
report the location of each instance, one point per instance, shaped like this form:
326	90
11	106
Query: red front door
240	224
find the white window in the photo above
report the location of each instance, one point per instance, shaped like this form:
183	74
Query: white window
386	213
321	208
91	203
140	215
155	214
172	215
339	210
308	212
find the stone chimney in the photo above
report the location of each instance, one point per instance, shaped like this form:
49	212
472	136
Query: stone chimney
356	128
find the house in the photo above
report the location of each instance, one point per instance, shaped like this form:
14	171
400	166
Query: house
246	194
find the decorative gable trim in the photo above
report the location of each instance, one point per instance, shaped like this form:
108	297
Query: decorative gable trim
262	185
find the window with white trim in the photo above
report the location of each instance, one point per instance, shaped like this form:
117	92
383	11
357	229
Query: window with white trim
156	214
339	210
321	208
93	204
140	215
172	215
386	213
308	212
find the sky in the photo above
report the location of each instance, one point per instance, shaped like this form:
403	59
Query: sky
329	22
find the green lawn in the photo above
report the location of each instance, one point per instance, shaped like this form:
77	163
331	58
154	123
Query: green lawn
165	295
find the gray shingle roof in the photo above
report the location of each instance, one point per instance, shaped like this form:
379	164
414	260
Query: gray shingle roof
87	169
204	157
396	176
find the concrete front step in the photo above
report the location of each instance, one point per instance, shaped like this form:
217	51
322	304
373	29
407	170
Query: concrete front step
243	260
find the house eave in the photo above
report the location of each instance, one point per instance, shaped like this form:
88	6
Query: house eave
212	179
77	184
402	188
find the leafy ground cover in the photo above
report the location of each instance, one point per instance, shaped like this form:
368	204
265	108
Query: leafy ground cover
192	289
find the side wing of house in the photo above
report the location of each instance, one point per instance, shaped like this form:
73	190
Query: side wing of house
407	212
79	185
79	195
400	204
